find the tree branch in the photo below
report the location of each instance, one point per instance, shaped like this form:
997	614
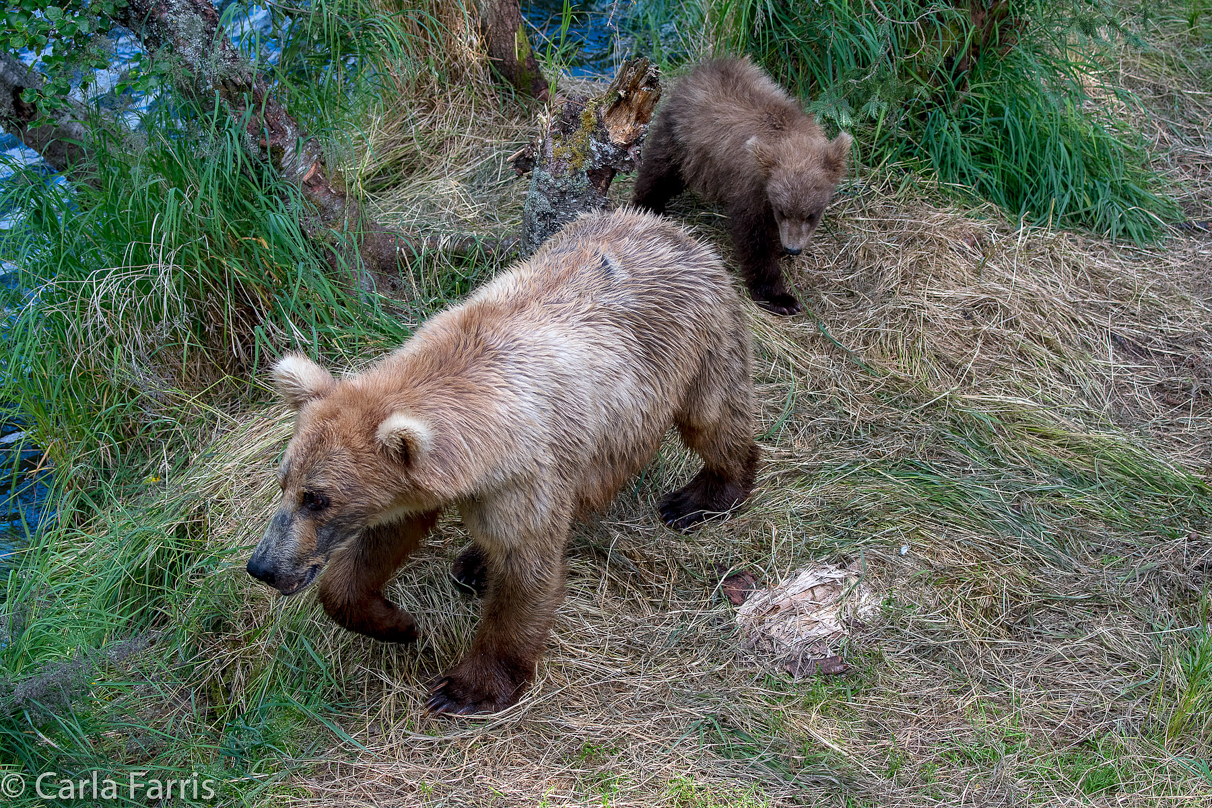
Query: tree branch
63	135
210	67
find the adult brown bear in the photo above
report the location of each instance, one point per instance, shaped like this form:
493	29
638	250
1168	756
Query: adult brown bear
732	135
525	407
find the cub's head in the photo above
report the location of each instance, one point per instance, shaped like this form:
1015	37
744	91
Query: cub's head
801	174
351	464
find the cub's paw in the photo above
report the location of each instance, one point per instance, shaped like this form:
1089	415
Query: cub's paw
470	689
781	304
403	633
470	571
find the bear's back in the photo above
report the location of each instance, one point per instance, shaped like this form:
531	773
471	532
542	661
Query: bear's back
585	350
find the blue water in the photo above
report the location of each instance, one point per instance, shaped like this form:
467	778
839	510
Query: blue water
592	44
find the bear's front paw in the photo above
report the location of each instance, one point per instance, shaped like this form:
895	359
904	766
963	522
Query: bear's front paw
402	633
472	689
470	570
781	304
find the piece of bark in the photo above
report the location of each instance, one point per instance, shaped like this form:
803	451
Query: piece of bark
509	52
584	144
801	668
737	586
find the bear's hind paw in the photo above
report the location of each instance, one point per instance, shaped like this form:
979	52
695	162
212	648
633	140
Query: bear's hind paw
458	694
681	512
707	496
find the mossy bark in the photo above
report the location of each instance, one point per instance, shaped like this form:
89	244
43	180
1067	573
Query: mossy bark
509	51
584	144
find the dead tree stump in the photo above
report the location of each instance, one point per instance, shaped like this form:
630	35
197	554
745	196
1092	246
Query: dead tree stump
583	145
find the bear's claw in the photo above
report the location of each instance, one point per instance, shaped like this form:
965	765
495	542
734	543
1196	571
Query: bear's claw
470	571
454	695
781	304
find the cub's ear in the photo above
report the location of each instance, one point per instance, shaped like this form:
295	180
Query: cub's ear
405	436
300	380
763	155
835	155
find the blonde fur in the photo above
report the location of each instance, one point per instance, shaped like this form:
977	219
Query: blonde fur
524	408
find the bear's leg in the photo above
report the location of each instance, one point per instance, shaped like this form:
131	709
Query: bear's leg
717	423
351	590
659	178
755	237
525	585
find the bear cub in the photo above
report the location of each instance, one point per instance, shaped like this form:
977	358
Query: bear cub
524	408
733	136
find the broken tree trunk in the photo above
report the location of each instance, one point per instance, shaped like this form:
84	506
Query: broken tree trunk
583	145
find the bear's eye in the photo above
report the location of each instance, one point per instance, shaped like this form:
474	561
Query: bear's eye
314	502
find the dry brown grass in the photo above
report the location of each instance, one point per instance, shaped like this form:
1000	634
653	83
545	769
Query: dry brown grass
1029	412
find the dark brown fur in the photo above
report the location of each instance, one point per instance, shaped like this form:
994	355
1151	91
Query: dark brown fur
733	136
525	408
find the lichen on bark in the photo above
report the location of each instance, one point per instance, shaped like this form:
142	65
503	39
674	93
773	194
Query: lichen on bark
581	148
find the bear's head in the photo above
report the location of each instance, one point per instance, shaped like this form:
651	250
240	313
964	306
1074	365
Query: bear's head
801	174
353	463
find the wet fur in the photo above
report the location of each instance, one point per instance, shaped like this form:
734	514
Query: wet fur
526	408
733	136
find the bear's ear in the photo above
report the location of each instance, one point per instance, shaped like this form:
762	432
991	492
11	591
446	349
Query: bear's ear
763	155
835	156
300	380
406	437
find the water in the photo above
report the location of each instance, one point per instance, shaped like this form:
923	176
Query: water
590	46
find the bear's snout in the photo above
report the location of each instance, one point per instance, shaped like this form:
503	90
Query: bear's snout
793	250
261	569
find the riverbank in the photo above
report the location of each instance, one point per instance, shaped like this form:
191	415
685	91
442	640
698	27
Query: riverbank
1006	428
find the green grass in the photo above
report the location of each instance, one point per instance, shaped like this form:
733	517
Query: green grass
162	290
1043	570
1012	107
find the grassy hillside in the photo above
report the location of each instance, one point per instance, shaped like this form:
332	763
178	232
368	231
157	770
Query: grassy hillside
1007	427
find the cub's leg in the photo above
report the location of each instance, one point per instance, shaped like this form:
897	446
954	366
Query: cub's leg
659	178
470	570
755	237
525	585
717	422
351	590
